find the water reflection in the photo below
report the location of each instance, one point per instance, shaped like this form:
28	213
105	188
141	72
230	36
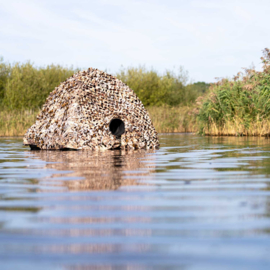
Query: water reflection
98	170
208	205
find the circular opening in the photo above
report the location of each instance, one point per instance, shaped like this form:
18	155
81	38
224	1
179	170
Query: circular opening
117	127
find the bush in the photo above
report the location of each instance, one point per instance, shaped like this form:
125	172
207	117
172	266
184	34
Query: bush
156	90
28	87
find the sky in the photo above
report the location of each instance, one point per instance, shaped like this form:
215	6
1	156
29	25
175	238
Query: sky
208	38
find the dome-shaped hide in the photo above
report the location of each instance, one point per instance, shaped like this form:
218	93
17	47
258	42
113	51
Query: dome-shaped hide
92	110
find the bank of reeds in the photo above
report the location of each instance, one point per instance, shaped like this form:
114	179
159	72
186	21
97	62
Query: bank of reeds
16	122
238	107
173	119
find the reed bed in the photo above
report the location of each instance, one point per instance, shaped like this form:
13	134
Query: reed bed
238	107
237	127
173	119
16	123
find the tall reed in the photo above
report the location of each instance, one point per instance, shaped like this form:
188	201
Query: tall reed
16	122
173	119
240	106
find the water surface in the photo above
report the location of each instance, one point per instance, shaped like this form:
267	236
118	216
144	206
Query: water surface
196	203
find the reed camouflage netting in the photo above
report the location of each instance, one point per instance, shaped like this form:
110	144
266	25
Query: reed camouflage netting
92	110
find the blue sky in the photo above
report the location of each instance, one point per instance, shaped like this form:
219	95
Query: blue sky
209	38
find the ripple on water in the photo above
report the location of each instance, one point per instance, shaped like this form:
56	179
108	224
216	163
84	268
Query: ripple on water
196	203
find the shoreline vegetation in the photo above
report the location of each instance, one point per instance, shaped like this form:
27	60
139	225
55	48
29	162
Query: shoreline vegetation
236	107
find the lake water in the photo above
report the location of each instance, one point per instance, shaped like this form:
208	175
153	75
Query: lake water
196	203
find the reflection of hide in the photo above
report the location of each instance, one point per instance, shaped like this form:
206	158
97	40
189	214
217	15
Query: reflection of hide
99	170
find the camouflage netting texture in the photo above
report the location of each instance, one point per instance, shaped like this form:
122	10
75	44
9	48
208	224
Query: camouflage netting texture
77	115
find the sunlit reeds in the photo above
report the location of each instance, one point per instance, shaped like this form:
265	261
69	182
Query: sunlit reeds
16	122
173	119
240	106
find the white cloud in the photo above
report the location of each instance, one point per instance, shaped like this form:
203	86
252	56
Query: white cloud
210	38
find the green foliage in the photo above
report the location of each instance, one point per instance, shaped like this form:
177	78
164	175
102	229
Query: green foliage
28	87
24	86
173	119
200	87
4	72
156	90
244	99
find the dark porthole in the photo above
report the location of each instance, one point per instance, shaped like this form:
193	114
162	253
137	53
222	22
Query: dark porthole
117	127
34	147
